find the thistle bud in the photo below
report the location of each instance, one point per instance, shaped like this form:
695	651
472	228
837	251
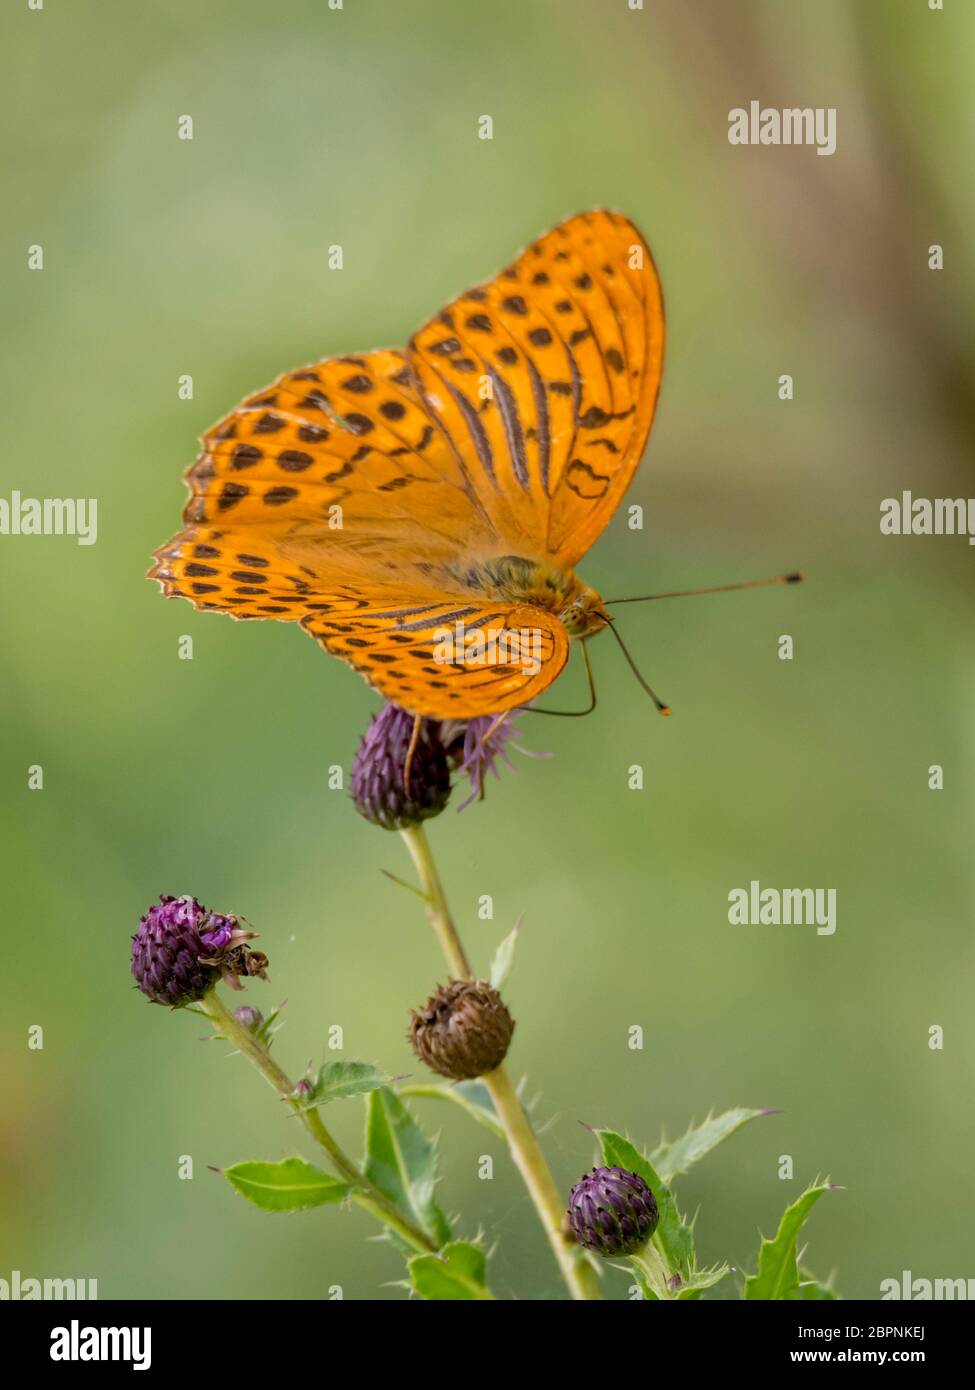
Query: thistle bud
249	1018
379	772
463	1030
612	1211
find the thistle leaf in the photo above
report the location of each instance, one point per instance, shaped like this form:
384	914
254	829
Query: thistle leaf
457	1273
340	1080
291	1185
472	1097
778	1269
402	1162
700	1280
504	957
810	1290
670	1160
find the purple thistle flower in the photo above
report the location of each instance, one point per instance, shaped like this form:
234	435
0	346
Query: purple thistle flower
480	745
217	931
181	950
166	952
379	771
475	746
612	1211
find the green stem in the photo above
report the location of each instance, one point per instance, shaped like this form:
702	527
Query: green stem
652	1266
364	1192
579	1275
438	914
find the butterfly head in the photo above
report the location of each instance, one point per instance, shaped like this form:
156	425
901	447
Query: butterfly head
584	614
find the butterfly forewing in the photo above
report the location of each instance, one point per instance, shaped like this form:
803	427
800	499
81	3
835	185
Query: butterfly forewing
546	379
345	441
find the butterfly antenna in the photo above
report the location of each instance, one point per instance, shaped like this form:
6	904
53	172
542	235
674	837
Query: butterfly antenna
571	713
795	578
661	707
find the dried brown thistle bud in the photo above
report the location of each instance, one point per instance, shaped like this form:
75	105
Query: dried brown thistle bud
463	1030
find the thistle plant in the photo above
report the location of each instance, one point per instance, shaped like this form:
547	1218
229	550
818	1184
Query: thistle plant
622	1212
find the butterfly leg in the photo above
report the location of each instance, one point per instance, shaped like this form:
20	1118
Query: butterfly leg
414	740
574	713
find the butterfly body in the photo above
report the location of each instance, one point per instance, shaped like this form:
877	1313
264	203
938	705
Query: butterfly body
381	498
559	592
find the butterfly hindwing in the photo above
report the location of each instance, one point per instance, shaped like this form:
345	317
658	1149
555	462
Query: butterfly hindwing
448	660
403	635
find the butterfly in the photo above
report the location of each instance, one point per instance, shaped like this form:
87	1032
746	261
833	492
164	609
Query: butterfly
420	512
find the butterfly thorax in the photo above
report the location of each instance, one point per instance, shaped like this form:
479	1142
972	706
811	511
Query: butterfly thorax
512	577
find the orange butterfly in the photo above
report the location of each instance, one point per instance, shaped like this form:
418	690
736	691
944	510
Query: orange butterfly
420	512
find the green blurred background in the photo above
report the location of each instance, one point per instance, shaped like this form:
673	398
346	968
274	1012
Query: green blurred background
165	257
